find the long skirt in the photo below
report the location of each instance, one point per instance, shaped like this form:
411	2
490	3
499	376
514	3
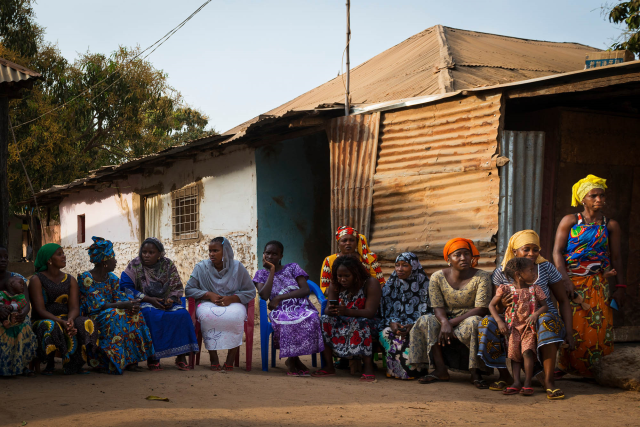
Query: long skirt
424	335
297	337
171	330
493	346
592	326
18	347
349	337
53	338
396	350
124	339
222	327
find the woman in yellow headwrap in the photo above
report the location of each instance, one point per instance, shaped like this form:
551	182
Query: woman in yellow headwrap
587	245
460	296
551	329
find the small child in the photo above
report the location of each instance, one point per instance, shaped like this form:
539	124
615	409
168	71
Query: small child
522	320
14	298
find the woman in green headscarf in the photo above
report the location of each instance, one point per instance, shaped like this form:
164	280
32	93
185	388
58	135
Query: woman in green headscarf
56	310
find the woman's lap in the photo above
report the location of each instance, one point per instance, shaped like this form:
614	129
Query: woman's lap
222	327
172	332
18	346
349	336
298	339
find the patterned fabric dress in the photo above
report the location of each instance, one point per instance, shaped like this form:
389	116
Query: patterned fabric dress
587	256
295	322
456	302
124	337
350	337
53	338
17	346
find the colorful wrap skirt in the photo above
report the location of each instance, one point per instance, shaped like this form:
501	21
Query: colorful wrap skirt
17	348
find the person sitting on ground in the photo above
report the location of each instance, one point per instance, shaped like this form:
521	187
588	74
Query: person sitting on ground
528	303
460	296
405	298
14	299
295	321
153	278
349	324
125	339
56	310
222	288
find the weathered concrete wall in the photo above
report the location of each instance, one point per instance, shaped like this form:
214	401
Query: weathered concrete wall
227	208
15	238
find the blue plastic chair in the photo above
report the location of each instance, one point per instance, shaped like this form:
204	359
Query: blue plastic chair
266	329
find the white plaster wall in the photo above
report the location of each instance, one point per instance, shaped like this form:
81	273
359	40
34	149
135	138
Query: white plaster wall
227	208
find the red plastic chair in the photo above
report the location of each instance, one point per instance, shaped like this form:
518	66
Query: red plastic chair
248	331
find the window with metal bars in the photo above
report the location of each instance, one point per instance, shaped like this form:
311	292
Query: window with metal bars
185	213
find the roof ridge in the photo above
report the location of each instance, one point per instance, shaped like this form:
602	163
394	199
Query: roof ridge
445	79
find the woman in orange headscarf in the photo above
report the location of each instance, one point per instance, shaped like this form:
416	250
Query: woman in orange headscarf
460	296
351	242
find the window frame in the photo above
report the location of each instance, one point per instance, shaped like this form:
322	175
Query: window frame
185	213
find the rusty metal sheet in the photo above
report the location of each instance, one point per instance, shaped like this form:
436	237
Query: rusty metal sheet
353	142
436	179
11	72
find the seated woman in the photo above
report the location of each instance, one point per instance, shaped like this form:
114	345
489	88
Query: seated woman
348	327
56	310
295	321
351	243
154	279
222	288
550	330
17	342
124	339
405	298
460	297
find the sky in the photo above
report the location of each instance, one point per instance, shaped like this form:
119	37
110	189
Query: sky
238	59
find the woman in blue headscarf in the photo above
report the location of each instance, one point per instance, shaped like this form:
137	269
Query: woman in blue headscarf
124	339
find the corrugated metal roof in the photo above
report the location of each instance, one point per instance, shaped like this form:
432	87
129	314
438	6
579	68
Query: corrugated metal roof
11	72
437	179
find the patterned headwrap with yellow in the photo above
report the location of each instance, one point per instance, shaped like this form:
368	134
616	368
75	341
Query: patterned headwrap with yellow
518	240
582	188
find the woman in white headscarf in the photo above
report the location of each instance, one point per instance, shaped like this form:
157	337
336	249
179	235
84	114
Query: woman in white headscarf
221	287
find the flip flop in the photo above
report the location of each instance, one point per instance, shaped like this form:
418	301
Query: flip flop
292	374
182	366
498	386
430	378
526	391
304	374
216	367
154	366
367	378
558	374
227	368
510	391
322	373
481	384
556	394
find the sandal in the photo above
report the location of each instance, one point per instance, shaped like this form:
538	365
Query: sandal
216	367
526	391
556	394
304	374
154	366
510	391
428	379
292	374
368	378
182	366
227	368
322	373
481	384
498	386
558	374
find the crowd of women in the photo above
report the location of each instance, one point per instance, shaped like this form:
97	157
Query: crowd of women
461	318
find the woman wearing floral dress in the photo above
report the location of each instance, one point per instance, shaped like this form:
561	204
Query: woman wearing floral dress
124	339
405	298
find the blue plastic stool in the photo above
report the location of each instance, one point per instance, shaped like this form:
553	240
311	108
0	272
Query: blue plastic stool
266	329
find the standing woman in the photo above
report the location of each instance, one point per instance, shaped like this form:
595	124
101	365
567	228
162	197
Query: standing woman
154	279
17	343
405	298
56	308
295	321
125	339
221	287
351	243
586	245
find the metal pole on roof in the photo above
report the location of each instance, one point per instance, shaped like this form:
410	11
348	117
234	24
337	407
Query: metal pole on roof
346	101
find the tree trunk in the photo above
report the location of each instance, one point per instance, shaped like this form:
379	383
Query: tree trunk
4	176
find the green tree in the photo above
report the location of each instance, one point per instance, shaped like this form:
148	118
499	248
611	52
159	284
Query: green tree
626	13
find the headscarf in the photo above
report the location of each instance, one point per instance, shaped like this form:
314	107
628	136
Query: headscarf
100	250
44	254
369	259
582	188
518	240
160	280
404	301
233	279
461	243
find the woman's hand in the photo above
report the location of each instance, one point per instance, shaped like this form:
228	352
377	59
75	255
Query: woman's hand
228	300
507	300
5	311
274	303
336	310
213	297
532	321
569	288
132	306
70	328
404	330
446	333
21	316
156	302
620	295
503	327
571	343
269	266
168	303
394	326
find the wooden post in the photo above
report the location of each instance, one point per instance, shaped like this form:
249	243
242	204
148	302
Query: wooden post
4	176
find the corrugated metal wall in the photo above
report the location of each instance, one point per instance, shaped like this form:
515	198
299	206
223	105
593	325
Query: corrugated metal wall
353	141
520	184
436	179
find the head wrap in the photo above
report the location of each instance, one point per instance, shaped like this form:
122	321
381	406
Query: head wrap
582	188
160	280
155	242
345	230
368	258
44	254
100	250
461	243
518	240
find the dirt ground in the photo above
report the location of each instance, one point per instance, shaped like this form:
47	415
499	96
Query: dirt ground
239	398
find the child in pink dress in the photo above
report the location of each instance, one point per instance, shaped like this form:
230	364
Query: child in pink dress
13	298
529	302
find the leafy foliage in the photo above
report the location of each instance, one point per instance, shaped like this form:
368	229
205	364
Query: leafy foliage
628	14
